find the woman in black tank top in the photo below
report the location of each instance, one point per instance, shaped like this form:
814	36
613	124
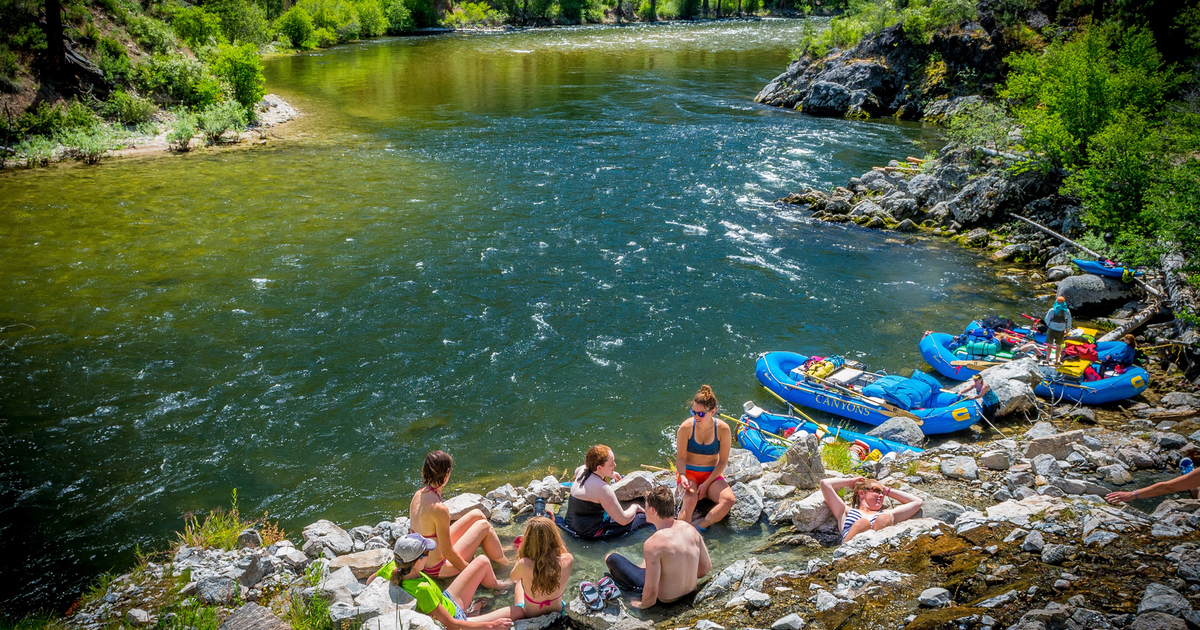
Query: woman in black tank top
593	510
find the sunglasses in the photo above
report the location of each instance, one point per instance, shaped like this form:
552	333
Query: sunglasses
700	414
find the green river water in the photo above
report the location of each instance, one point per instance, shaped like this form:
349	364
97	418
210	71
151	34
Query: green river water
507	246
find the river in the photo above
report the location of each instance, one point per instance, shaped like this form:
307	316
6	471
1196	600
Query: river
508	246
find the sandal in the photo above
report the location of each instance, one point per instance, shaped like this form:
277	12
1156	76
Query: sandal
608	588
591	596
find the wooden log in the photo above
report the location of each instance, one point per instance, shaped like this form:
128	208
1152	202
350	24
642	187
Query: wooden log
1180	296
1139	318
1174	414
1149	289
912	160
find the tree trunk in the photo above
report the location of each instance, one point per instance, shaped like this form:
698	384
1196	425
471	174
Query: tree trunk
704	11
653	10
618	11
1139	318
56	51
1181	298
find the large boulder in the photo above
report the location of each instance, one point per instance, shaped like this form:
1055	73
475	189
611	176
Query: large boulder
1059	445
960	467
1013	384
363	564
1163	599
1089	295
330	536
635	485
747	507
986	197
384	596
899	429
802	465
460	505
925	189
812	513
827	99
742	466
739	577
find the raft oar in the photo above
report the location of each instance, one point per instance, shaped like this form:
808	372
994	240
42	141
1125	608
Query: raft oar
827	430
749	426
655	468
884	407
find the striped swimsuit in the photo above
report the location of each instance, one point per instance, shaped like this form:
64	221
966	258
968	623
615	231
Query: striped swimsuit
852	516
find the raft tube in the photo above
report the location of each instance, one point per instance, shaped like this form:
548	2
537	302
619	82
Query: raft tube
946	414
1100	269
1135	380
768	450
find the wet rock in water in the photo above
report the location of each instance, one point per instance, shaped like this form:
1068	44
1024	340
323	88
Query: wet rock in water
1157	621
329	536
251	616
935	597
1057	554
866	207
1058	272
906	226
537	623
249	538
612	617
742	466
1040	430
1014	251
403	619
747	507
996	460
811	513
975	237
1033	542
362	564
502	514
737	578
215	590
789	622
461	504
894	535
361	533
802	465
960	467
902	430
1087	294
636	484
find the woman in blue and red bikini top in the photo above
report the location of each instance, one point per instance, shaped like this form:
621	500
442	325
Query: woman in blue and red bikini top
457	541
701	453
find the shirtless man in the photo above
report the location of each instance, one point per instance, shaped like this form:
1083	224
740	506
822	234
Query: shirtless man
675	556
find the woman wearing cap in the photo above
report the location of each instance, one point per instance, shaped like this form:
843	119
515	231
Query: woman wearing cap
866	505
978	389
431	519
447	607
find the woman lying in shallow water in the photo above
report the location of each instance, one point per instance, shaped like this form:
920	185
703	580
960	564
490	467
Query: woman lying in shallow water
866	505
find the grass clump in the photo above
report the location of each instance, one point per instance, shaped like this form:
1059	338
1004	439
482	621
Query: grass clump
37	150
836	456
219	529
89	145
128	109
183	129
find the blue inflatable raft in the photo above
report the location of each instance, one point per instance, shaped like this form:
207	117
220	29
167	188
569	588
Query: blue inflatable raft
768	449
1100	269
867	397
935	348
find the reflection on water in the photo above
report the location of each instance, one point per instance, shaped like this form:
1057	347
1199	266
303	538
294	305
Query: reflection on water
507	246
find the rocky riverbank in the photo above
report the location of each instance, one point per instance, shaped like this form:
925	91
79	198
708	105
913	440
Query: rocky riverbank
1014	533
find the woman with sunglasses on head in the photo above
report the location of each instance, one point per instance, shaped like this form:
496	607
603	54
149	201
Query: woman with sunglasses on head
459	540
701	454
866	505
593	510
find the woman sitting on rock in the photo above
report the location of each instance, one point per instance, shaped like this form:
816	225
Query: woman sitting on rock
542	570
458	541
701	453
978	389
593	510
866	499
448	607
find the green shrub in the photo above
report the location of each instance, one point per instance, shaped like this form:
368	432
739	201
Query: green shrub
372	22
183	129
297	26
399	18
214	121
196	26
153	35
325	37
424	12
242	21
112	60
44	120
179	79
29	37
983	124
128	109
37	150
475	14
573	10
242	68
79	116
89	145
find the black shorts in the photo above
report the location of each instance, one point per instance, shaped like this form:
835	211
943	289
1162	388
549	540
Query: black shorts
1055	336
627	575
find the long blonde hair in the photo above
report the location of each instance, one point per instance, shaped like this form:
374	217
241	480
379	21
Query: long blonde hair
543	546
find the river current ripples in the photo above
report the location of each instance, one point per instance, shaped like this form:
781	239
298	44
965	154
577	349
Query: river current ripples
507	246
